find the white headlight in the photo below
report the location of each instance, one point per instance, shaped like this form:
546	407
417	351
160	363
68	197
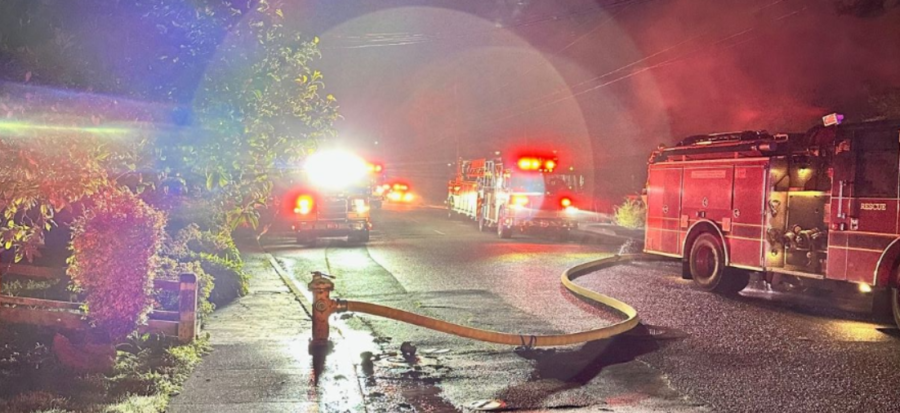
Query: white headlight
335	169
359	205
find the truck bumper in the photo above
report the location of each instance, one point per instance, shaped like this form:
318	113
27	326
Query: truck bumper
548	223
330	228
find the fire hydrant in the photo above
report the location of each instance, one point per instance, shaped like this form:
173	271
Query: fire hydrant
323	306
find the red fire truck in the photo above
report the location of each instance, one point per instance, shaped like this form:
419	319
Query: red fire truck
330	198
821	205
528	196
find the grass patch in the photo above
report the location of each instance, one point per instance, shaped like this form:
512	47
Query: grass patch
148	370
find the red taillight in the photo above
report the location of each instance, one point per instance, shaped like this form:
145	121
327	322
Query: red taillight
565	202
305	205
549	165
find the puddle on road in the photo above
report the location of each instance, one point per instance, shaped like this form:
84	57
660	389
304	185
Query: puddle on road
388	383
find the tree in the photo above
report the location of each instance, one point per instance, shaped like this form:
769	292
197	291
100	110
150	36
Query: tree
261	109
56	155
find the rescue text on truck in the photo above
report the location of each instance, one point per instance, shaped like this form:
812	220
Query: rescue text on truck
520	194
334	199
822	205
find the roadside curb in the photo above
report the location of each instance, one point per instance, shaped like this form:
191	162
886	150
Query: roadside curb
590	237
303	297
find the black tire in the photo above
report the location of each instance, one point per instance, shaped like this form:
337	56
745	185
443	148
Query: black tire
895	305
306	240
364	236
707	267
482	224
503	231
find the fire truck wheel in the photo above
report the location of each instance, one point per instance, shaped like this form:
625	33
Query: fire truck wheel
482	224
895	304
503	231
364	236
707	266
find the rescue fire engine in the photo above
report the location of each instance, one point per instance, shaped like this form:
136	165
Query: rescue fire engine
525	194
821	205
331	198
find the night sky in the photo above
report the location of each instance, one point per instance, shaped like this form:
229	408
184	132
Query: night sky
602	82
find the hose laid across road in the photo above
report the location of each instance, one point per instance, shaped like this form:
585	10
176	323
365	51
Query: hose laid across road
631	317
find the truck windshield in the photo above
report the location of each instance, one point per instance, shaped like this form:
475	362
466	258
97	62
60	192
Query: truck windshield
527	183
547	183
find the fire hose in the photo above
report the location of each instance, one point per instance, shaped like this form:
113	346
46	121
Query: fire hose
324	306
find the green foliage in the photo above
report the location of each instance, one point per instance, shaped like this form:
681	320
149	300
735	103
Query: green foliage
37	401
170	268
631	214
148	370
263	106
27	287
147	365
215	260
157	403
114	247
230	281
55	156
205	242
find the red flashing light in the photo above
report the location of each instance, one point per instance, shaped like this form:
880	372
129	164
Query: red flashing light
530	163
525	163
565	202
304	205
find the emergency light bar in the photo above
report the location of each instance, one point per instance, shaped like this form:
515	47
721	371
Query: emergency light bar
536	164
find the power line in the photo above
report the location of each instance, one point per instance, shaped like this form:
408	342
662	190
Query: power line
641	70
567	46
368	40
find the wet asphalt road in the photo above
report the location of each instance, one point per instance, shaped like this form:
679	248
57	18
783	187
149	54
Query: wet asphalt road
696	352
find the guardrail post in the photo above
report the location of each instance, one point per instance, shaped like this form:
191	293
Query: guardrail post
323	306
187	308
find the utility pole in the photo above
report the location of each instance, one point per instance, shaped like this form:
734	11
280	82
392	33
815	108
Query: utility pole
456	117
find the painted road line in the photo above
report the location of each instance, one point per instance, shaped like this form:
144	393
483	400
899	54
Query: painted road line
439	232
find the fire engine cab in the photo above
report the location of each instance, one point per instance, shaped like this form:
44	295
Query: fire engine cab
524	194
331	198
821	205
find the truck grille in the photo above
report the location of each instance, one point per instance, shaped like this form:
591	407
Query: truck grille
333	209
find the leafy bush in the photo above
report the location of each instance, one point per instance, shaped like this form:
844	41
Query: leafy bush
631	214
230	281
171	269
201	213
114	247
212	257
205	242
